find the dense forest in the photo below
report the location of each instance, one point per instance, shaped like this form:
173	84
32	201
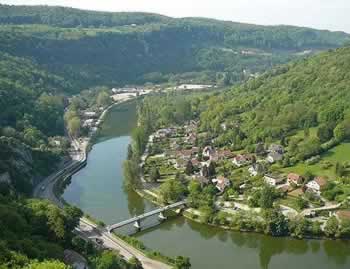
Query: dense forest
94	48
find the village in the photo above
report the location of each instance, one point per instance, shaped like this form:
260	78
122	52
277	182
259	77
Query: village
186	154
91	117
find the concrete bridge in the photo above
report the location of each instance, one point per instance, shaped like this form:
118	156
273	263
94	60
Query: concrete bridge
137	219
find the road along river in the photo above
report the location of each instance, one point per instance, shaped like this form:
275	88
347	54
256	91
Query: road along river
98	190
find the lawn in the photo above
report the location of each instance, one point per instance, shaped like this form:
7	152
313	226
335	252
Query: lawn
340	153
300	134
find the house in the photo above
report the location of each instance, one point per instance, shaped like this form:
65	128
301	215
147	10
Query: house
276	148
163	133
185	154
224	154
255	169
208	151
241	160
273	157
196	163
296	179
317	185
221	183
89	123
273	180
191	138
89	114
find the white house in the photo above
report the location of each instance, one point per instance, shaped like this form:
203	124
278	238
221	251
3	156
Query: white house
90	114
273	180
208	151
317	185
274	157
253	171
88	123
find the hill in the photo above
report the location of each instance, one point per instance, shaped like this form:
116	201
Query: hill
92	48
303	105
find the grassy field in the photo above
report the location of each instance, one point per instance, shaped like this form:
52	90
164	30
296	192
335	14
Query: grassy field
300	134
340	153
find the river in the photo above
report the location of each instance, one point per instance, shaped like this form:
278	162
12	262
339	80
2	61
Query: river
98	190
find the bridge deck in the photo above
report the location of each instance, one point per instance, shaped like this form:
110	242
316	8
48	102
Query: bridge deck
145	215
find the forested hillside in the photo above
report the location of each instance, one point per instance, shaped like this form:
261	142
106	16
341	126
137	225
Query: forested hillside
93	48
311	94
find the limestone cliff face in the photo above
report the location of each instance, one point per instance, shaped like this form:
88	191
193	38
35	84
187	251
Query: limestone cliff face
16	163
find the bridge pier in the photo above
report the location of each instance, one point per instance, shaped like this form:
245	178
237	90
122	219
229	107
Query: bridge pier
137	224
161	216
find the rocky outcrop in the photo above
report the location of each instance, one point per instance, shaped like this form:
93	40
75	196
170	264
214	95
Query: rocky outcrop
16	163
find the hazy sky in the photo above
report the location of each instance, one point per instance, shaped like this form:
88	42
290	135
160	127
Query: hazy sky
322	14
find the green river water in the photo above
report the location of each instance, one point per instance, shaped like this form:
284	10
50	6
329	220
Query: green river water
98	190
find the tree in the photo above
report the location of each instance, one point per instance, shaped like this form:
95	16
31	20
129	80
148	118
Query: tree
260	149
206	214
73	215
182	262
73	126
211	169
345	228
301	203
78	244
139	136
205	171
340	132
267	197
154	174
276	223
131	174
130	152
316	228
136	263
339	169
299	227
108	260
324	133
47	265
33	136
189	168
103	99
332	227
171	191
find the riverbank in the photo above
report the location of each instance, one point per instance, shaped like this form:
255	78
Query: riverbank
53	186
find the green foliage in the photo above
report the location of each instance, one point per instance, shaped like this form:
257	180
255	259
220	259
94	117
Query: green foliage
47	265
33	229
182	262
276	223
154	174
263	198
332	227
131	173
160	49
171	191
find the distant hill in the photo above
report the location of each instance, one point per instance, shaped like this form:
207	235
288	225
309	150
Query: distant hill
93	48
